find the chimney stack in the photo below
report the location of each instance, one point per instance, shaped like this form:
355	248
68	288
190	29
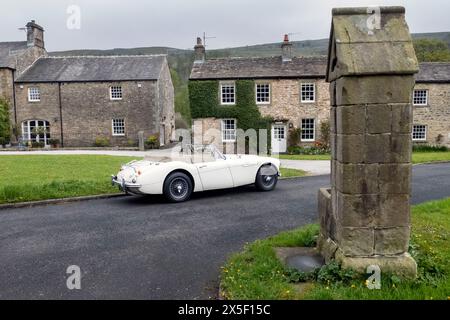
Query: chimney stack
286	49
199	51
35	34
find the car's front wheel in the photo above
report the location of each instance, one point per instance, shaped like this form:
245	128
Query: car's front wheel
266	178
177	187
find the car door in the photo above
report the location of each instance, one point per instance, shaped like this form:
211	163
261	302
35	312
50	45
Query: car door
243	170
215	175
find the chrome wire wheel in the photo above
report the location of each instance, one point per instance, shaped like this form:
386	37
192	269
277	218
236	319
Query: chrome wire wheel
179	188
268	181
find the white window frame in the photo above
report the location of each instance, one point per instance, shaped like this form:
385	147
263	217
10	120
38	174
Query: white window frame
302	84
227	84
426	97
26	131
314	130
256	93
223	130
34	96
425	132
113	127
111	93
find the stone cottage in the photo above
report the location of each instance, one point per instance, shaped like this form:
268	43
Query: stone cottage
293	92
431	104
78	100
17	56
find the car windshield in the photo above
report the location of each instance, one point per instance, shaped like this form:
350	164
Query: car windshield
203	151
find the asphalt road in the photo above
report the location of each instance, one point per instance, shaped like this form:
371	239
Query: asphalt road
144	248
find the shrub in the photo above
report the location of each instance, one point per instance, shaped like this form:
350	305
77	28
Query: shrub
429	148
317	149
5	125
2	141
101	142
54	142
325	134
152	142
294	137
36	144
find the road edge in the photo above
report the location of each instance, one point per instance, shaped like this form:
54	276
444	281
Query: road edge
31	204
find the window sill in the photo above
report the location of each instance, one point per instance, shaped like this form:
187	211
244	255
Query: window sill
307	102
118	135
228	104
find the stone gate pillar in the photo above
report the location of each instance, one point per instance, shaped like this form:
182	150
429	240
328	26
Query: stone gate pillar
365	217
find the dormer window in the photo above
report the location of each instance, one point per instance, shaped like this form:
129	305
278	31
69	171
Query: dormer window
34	94
115	93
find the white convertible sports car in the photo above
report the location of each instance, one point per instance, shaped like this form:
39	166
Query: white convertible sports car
197	168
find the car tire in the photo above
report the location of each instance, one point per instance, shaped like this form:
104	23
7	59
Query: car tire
177	187
266	182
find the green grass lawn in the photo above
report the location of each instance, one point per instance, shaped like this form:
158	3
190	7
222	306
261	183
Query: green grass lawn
417	157
39	177
291	173
256	273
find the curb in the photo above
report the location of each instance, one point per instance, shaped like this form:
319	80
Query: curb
31	204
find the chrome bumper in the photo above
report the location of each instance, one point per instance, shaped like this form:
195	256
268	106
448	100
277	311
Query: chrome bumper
125	186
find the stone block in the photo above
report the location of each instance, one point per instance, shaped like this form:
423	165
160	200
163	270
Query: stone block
379	118
350	148
332	120
357	178
402	115
377	148
391	241
350	119
333	145
333	94
356	241
394	211
374	90
325	215
400	148
395	178
402	265
356	210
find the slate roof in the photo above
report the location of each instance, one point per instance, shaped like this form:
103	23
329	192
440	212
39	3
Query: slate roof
7	50
434	72
253	68
300	67
94	68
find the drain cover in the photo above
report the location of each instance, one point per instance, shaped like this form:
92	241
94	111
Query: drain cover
305	263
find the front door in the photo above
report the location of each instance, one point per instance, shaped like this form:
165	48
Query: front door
279	138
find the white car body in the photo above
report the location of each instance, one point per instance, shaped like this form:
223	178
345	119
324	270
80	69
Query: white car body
209	172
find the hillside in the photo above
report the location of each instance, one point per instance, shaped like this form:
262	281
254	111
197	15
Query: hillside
180	60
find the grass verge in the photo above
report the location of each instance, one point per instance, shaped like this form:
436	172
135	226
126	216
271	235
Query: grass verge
417	157
291	173
41	177
256	273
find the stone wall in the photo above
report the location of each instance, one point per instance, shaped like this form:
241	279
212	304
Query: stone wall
437	114
87	110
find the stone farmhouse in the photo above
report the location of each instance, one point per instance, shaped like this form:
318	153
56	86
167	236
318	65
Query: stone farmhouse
77	100
293	92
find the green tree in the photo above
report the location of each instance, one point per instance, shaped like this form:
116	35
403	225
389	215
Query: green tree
5	124
181	96
432	50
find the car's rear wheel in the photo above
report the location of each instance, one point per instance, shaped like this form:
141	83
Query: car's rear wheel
266	178
177	187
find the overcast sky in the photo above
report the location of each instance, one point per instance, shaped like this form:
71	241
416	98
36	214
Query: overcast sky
108	24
